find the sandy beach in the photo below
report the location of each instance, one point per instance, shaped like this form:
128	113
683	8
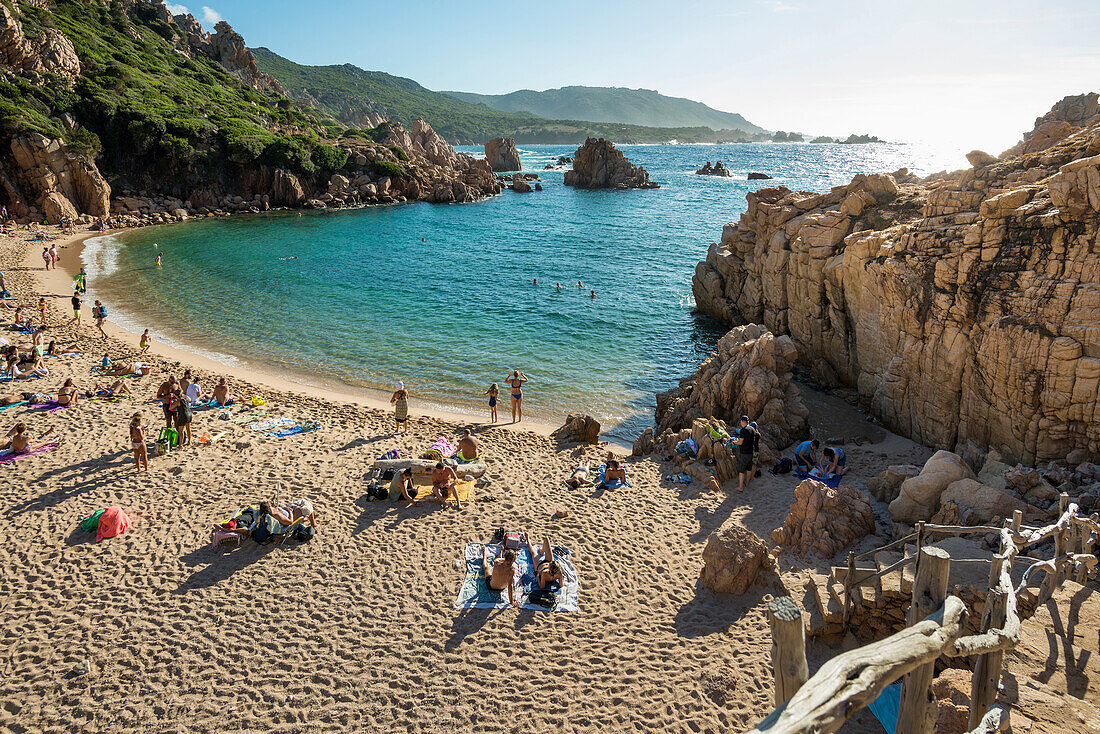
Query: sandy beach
355	630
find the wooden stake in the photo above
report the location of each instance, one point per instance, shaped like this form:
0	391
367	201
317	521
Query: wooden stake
788	648
987	668
917	714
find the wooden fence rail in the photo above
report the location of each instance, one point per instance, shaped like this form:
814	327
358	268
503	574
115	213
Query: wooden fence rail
852	680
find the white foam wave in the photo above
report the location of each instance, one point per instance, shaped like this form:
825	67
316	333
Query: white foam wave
100	256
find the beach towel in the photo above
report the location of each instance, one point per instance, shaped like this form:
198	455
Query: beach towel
7	457
272	423
112	522
475	594
886	707
206	405
25	376
246	417
829	480
441	449
423	486
12	405
50	405
614	483
295	430
91	522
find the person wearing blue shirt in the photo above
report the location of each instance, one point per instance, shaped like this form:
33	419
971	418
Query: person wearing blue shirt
805	455
833	461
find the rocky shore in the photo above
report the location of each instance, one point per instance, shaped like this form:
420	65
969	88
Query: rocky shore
960	310
598	164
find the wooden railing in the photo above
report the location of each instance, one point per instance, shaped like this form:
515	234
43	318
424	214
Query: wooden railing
936	622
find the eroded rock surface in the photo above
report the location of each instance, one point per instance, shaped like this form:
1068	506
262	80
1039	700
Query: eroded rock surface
503	155
578	429
824	521
733	559
964	309
600	165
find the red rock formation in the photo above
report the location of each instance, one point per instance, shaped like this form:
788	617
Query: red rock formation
600	165
824	521
732	560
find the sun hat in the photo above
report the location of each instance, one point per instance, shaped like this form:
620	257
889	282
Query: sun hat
399	385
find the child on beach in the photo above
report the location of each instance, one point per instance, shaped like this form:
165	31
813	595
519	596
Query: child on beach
145	341
42	312
81	280
137	441
493	392
46	257
400	401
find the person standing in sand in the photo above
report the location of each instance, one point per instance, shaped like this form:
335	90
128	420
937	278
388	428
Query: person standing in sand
182	410
54	256
46	257
137	442
164	394
746	443
77	301
516	380
493	392
41	312
81	281
99	313
144	342
400	401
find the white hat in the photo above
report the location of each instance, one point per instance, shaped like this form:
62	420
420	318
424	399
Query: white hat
399	385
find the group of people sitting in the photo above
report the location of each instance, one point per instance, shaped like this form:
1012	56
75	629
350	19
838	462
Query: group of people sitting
444	476
501	573
266	521
610	475
833	462
178	396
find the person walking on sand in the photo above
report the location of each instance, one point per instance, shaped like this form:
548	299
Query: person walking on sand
81	281
182	410
46	257
144	342
77	300
516	380
493	392
137	442
54	257
41	312
99	313
400	401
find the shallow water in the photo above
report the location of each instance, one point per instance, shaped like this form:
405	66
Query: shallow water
442	298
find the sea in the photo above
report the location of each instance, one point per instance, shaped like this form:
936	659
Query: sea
451	298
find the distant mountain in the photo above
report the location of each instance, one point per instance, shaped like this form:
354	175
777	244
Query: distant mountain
612	104
359	98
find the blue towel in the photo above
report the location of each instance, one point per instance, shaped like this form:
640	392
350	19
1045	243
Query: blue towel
886	707
832	480
294	430
475	594
614	483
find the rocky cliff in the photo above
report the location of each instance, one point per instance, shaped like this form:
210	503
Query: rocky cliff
598	164
963	310
213	132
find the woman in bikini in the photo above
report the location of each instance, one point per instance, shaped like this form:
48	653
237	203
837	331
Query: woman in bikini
55	351
67	395
516	380
137	441
548	574
501	573
21	441
493	392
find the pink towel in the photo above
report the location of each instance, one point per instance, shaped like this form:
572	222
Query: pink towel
9	458
112	522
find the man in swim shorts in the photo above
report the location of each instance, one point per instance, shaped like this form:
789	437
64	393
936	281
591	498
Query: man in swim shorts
443	483
502	573
467	447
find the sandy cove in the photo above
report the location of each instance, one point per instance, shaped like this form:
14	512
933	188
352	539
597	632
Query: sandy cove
355	629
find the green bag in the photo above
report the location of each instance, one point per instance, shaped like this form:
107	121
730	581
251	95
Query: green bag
170	435
91	522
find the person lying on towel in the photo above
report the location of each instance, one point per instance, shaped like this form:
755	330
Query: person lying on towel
833	461
467	448
805	456
548	573
443	482
21	441
503	571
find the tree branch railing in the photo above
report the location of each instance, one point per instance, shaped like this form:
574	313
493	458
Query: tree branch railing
850	681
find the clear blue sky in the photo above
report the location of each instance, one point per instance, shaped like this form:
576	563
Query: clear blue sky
974	73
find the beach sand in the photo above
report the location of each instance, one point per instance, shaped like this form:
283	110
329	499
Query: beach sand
355	630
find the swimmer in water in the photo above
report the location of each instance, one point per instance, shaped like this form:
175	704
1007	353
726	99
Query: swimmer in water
592	294
535	281
292	257
156	260
580	284
559	286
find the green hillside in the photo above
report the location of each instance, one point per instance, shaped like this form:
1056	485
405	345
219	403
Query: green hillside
350	94
612	104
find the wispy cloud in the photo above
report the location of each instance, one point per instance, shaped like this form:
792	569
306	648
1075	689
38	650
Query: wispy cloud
210	16
778	6
175	9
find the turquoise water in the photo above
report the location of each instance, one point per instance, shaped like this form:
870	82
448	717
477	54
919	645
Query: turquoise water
442	298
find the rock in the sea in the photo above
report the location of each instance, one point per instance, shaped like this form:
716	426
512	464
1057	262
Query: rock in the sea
754	176
824	521
887	484
919	498
600	165
718	169
503	155
921	296
732	559
578	429
520	184
749	374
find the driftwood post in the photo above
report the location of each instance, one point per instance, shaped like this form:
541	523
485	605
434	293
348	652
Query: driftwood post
987	667
788	647
918	710
1050	583
1086	548
848	586
1017	519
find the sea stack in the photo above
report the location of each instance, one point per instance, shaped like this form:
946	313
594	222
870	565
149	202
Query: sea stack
600	165
502	155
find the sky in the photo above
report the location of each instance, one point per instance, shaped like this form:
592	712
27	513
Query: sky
960	73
